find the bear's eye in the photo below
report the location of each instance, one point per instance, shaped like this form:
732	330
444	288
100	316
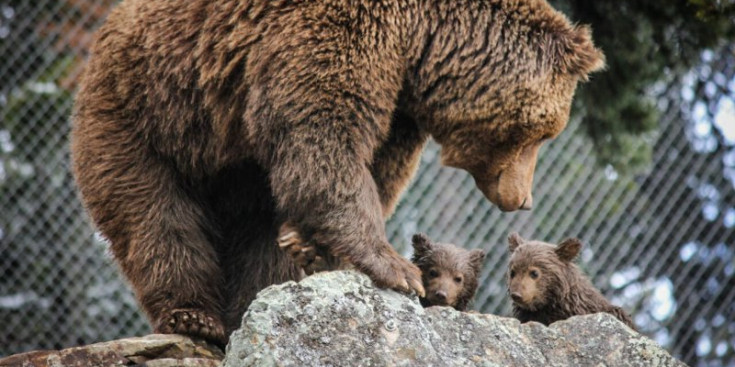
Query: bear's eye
534	274
458	279
512	273
433	273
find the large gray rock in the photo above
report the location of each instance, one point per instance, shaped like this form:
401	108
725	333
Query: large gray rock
154	350
341	319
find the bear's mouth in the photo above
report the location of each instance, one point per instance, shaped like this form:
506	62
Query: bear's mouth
492	189
439	301
528	306
525	306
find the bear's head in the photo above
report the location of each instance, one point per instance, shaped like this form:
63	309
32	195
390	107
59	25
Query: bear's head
538	271
492	111
449	273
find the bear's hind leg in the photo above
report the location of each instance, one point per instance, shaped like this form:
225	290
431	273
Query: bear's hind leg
243	208
251	263
167	255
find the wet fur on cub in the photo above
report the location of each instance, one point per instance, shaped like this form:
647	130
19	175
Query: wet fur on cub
546	286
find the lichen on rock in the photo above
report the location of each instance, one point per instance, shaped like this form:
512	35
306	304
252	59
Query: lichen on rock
340	319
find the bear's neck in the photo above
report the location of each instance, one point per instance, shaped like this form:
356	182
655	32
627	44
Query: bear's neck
462	54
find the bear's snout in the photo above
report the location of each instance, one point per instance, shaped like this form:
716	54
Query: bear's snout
441	296
509	191
507	198
517	298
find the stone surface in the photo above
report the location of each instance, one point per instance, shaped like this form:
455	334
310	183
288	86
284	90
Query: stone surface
341	319
154	350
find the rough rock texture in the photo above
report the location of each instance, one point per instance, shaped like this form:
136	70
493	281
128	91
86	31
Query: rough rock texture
155	350
340	319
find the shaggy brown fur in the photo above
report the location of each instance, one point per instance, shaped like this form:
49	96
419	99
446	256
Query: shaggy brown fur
449	273
201	126
546	286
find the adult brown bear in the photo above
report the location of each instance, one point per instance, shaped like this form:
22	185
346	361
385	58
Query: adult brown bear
202	125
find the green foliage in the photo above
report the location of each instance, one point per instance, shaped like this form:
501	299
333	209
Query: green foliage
645	42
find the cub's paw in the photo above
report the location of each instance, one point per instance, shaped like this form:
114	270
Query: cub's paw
305	255
390	270
193	322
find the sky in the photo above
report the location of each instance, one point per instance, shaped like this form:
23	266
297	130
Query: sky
725	118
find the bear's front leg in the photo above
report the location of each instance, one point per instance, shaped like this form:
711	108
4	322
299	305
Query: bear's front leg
396	161
322	184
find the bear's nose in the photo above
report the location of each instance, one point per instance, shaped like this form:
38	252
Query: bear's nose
441	295
516	297
527	203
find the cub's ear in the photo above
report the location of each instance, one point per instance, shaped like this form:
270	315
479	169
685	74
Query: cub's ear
514	240
571	51
477	257
568	249
421	243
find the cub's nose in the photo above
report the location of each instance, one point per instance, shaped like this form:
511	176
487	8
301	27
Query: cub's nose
440	295
516	297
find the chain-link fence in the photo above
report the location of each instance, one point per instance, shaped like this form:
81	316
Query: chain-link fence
661	244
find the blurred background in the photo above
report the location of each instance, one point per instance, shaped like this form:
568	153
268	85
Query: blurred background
644	175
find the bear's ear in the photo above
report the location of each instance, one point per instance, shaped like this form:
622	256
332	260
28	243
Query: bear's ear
568	249
477	257
421	243
514	240
572	52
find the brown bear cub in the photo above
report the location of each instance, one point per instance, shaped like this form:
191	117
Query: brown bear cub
449	273
546	286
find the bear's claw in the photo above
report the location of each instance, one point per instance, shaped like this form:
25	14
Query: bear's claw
387	270
305	255
193	322
391	270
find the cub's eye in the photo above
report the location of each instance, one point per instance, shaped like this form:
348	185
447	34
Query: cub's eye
433	273
458	279
512	273
534	274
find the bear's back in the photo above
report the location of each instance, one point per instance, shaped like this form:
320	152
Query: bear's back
158	69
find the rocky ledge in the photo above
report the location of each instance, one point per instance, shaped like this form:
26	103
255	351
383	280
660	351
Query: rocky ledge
341	319
155	350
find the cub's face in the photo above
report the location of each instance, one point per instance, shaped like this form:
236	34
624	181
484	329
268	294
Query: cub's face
535	272
449	273
443	286
497	140
527	286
